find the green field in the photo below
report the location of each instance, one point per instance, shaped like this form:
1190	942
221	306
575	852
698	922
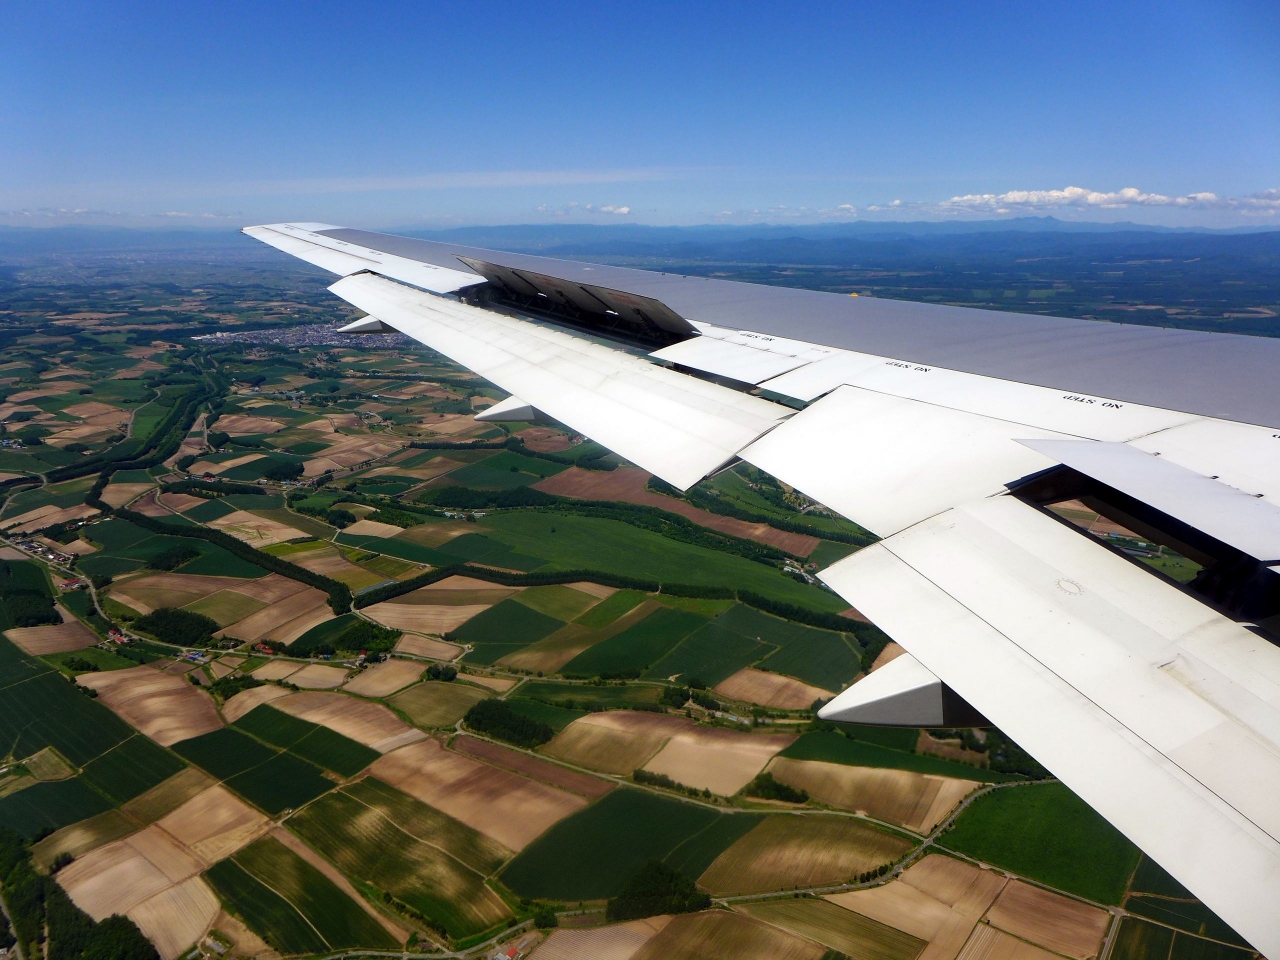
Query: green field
308	740
282	783
615	547
224	753
209	510
411	853
478	548
225	607
822	658
558	601
557	718
1191	916
636	648
612	696
402	549
566	862
832	747
1139	940
331	913
134	767
611	608
102	659
438	704
1045	832
698	852
45	807
710	654
841	930
502	629
263	910
1150	877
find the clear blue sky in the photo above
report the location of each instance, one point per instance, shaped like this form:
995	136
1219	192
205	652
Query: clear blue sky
420	114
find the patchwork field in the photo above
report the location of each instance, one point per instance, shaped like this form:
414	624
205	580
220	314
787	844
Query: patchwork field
722	761
243	702
771	690
436	704
616	742
64	637
620	941
369	723
429	648
1066	927
511	809
310	741
532	767
420	617
284	619
384	679
789	850
850	933
717	935
554	651
916	801
164	707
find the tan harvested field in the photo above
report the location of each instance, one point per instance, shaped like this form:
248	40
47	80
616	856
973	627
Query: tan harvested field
384	679
243	702
79	838
254	530
119	876
166	797
438	704
64	637
722	761
148	507
176	918
891	652
240	425
421	618
270	589
629	485
154	590
318	676
502	805
960	895
551	653
916	801
618	942
294	843
500	684
91	408
771	690
205	466
164	707
81	548
1055	922
277	670
179	502
118	494
597	590
369	723
988	943
284	620
851	934
457	590
328	562
226	606
789	850
65	515
372	528
719	935
10	553
214	824
523	763
616	742
426	647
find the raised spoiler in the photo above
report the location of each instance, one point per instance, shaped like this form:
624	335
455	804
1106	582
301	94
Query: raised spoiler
1158	704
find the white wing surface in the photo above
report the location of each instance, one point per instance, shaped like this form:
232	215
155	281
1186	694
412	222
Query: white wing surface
946	432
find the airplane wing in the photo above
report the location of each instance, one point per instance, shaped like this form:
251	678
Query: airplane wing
949	433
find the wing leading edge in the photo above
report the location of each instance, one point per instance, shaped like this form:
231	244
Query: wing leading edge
1159	707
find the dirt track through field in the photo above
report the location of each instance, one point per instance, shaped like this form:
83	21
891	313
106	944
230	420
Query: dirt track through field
628	485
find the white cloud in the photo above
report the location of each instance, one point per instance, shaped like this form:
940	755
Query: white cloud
1037	201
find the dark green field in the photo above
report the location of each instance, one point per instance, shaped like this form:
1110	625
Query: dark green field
712	653
224	753
1045	832
614	696
820	657
333	914
263	910
557	718
133	767
502	629
566	862
308	740
1189	915
45	807
282	783
611	608
47	710
636	648
836	748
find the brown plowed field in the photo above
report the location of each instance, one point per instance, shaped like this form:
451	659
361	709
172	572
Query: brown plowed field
284	620
270	589
988	943
901	906
500	684
457	591
722	761
523	763
617	742
276	670
916	801
421	618
118	494
502	805
152	591
385	679
617	942
718	935
369	723
425	647
329	562
787	850
242	703
121	875
63	637
148	507
177	917
318	676
627	484
255	530
178	502
164	707
214	824
1056	923
240	425
890	653
771	690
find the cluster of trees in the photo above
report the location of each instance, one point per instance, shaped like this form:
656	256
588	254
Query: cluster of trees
361	635
442	672
497	719
211	489
662	780
656	889
868	875
182	628
46	922
766	787
25	606
173	558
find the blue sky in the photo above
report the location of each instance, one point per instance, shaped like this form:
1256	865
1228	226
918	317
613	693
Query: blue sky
436	114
